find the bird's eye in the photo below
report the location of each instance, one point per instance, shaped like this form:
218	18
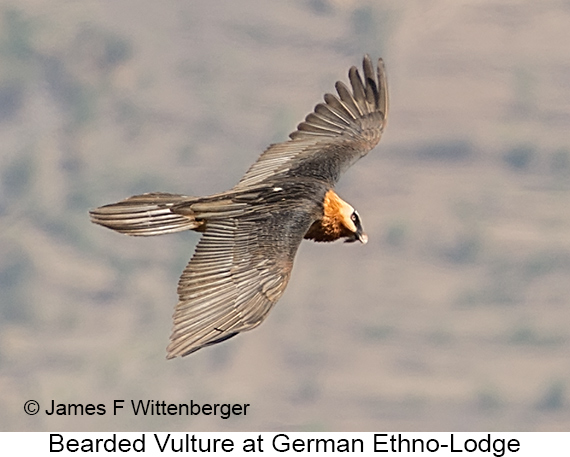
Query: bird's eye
354	217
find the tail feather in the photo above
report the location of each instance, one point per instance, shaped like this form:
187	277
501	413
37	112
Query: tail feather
145	215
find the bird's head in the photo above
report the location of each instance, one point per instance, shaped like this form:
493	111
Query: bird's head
340	220
351	224
357	230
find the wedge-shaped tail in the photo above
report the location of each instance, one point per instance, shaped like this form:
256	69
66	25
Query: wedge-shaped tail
146	215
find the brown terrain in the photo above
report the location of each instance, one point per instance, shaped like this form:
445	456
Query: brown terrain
455	315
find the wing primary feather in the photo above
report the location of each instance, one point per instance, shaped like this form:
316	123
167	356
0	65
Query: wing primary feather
383	103
359	94
331	115
339	108
348	100
312	128
372	95
321	121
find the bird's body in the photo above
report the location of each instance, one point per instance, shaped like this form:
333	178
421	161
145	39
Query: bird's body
251	232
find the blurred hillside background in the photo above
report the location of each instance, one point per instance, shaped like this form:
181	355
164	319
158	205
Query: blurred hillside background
456	314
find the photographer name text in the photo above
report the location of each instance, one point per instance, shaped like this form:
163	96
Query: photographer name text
148	408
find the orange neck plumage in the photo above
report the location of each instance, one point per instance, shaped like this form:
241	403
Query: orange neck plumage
335	223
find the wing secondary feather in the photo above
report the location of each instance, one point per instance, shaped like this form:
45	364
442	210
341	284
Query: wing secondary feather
239	270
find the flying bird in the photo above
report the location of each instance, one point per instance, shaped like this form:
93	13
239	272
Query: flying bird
251	233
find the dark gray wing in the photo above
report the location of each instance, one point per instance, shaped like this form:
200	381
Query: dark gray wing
334	136
239	270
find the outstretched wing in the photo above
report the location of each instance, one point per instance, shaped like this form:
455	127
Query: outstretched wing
239	270
334	136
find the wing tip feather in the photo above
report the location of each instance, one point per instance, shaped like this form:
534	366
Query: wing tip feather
369	95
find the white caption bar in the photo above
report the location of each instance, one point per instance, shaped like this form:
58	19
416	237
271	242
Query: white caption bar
285	443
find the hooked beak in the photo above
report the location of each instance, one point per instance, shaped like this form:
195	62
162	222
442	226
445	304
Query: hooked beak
362	237
359	235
